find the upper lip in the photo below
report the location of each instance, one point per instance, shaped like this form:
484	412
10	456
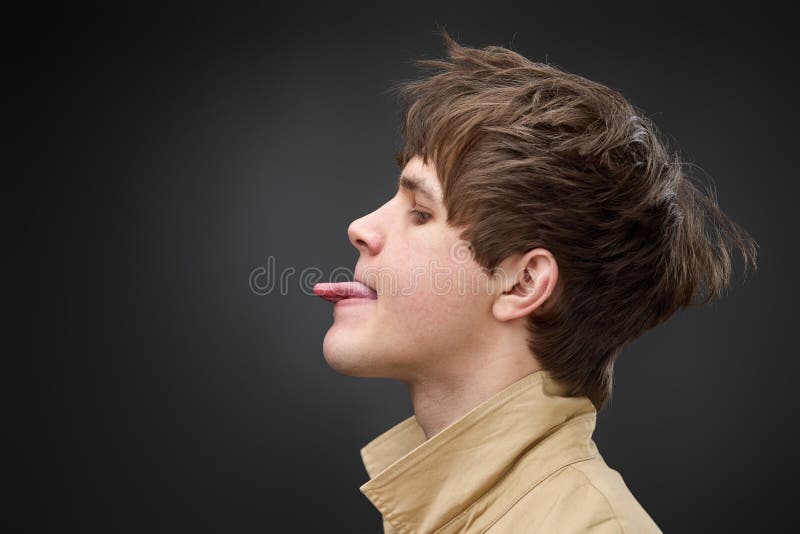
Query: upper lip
359	279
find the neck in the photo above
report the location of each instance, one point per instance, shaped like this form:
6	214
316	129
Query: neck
442	398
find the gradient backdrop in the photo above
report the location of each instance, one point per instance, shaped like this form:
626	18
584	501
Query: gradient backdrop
170	151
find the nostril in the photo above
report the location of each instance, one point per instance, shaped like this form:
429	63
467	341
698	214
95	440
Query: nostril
360	244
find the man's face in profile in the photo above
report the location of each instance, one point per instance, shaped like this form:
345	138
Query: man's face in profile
433	304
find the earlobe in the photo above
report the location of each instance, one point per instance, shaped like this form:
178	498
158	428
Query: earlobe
513	302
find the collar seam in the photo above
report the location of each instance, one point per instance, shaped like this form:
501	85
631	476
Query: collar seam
389	517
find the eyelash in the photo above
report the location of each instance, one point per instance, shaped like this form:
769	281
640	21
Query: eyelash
418	215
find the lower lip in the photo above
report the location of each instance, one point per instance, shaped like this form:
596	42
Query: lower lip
352	302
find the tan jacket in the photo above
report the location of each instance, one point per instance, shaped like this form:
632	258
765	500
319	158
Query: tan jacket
522	461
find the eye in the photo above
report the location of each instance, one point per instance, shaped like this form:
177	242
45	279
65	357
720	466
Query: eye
420	216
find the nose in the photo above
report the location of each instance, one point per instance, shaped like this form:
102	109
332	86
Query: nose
364	235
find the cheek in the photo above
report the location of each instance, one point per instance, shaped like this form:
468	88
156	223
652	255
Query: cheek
419	319
438	297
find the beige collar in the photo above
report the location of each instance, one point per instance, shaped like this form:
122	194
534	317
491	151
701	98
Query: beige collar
420	485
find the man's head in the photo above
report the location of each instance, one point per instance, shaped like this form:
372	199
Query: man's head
559	205
438	314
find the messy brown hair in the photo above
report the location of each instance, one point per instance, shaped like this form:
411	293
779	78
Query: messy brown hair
529	156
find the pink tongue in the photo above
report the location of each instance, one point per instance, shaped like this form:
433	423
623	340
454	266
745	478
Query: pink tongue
343	290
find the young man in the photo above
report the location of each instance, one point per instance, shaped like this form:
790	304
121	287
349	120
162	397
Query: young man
539	226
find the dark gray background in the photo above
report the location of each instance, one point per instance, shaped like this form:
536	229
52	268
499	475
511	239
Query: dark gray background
168	152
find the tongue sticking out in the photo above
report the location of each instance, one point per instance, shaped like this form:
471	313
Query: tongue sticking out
344	290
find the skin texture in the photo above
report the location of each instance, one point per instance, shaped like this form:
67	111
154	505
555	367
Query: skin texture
441	325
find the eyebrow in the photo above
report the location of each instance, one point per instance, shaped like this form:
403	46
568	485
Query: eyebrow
412	183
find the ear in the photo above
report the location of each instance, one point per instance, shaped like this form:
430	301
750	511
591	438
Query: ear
525	283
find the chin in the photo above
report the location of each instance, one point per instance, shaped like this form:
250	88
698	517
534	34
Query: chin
349	358
344	356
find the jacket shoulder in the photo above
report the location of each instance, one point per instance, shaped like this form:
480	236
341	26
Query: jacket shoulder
586	496
610	486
